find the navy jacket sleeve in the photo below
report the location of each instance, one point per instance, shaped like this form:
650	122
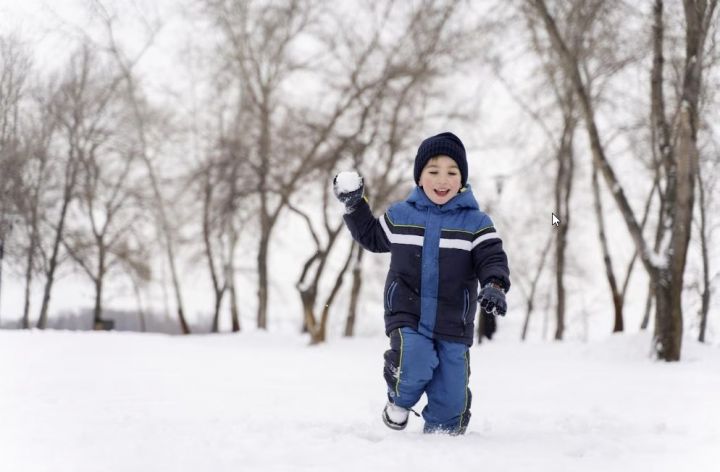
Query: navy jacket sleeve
489	258
366	229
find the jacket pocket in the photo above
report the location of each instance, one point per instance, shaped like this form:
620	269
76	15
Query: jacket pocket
389	296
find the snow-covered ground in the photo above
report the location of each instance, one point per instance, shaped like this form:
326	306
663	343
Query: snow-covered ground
79	401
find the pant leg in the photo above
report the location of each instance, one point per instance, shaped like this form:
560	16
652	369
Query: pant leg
409	366
449	397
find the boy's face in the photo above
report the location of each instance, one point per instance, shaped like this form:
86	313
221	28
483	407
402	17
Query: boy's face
440	179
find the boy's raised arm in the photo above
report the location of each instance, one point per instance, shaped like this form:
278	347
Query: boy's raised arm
365	228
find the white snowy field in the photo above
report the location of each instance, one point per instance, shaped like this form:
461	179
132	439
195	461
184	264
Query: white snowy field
79	401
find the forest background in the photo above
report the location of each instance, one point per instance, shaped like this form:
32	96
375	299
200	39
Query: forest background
167	167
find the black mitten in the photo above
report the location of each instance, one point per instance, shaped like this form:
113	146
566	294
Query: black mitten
492	299
350	198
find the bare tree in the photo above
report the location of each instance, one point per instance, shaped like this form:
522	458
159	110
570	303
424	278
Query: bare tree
15	67
356	286
80	108
563	189
313	269
144	125
53	261
707	187
707	181
594	44
258	38
223	196
679	163
208	225
530	292
289	144
108	176
75	112
39	138
561	142
706	290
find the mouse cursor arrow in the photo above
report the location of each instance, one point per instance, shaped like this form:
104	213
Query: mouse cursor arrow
555	220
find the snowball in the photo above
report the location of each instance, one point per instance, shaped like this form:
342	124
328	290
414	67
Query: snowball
348	181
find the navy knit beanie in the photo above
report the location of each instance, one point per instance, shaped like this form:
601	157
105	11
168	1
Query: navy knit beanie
443	144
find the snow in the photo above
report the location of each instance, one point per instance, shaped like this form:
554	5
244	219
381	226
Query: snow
78	401
659	259
348	181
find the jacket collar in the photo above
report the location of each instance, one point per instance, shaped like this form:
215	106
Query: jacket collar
464	199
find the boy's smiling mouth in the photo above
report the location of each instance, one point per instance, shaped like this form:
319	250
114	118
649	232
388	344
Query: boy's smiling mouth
441	193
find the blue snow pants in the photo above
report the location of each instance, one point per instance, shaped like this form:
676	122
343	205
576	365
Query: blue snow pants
416	364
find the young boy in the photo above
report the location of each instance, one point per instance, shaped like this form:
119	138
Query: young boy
441	245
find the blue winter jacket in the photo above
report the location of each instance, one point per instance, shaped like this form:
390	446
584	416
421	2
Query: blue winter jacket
438	255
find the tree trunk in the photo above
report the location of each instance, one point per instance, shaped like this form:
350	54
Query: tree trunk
28	285
615	295
218	290
668	319
70	178
530	305
34	237
266	223
560	284
648	305
313	269
706	287
563	189
185	329
230	280
262	264
319	334
216	312
30	263
234	312
97	312
165	228
307	297
354	294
